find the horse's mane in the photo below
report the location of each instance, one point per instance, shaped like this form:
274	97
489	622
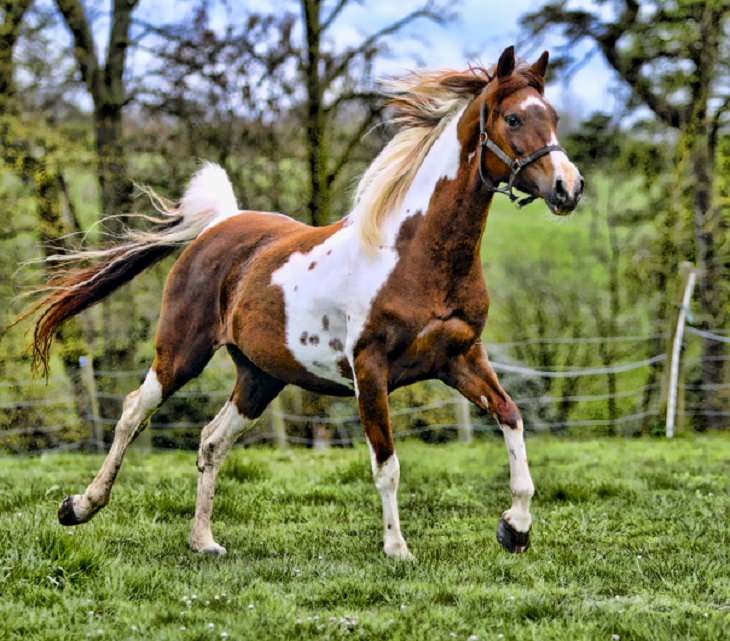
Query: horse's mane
422	104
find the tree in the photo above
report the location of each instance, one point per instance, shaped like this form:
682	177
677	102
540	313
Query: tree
332	83
30	151
106	86
674	57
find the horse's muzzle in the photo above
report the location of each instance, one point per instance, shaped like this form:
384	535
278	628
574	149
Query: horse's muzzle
562	200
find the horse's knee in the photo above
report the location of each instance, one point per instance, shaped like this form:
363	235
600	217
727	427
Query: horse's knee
139	403
508	414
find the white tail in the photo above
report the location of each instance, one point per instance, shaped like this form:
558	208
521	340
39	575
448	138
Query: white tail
207	200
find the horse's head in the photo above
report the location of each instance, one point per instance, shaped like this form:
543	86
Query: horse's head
514	131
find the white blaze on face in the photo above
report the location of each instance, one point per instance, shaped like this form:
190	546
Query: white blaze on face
533	101
329	290
563	169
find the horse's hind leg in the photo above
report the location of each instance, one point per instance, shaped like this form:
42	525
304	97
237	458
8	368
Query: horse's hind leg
254	390
173	367
138	407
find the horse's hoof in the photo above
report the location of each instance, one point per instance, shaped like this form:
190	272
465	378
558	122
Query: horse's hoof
66	514
399	551
512	540
213	550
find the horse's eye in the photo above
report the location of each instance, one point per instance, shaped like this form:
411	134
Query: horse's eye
513	121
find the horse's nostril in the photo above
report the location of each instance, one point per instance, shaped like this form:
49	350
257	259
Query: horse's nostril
581	186
560	191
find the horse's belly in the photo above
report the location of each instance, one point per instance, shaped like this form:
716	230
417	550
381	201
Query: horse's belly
316	338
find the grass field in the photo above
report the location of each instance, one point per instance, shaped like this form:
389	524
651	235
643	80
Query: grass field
630	542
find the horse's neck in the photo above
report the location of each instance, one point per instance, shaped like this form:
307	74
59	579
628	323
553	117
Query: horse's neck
447	192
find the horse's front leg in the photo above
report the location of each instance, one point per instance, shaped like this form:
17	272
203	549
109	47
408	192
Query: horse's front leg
371	376
473	376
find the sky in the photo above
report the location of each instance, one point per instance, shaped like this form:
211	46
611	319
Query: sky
479	32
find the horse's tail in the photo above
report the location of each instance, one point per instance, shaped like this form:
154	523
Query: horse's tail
82	279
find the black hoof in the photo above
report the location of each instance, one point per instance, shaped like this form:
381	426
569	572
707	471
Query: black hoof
512	540
66	514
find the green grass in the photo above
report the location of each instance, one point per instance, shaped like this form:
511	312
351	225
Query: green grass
630	539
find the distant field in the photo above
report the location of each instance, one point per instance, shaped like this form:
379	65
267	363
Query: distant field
631	542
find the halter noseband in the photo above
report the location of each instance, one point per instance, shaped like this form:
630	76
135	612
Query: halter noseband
516	165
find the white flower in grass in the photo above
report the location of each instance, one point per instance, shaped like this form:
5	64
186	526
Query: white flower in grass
472	637
211	626
615	637
224	635
251	606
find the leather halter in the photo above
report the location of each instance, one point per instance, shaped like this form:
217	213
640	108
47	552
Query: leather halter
516	165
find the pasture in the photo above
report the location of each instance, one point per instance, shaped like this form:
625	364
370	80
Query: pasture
630	542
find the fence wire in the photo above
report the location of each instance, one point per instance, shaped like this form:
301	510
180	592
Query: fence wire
348	426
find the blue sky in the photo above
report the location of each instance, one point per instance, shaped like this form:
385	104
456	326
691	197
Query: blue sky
480	31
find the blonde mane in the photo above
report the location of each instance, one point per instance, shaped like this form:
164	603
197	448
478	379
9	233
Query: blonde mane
423	104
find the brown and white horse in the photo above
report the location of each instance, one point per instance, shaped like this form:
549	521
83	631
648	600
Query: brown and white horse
392	294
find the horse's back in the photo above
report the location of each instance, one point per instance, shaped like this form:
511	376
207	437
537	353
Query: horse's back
220	292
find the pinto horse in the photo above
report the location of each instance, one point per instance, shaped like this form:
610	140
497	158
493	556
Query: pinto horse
392	294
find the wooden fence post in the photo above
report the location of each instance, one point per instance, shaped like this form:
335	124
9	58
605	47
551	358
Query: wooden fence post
277	424
88	380
463	419
690	280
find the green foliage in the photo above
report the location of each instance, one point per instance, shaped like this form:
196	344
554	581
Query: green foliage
629	541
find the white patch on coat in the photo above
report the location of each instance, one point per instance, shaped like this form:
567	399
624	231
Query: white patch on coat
339	279
532	101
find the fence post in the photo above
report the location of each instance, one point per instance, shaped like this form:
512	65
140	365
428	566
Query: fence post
277	423
88	380
691	279
463	419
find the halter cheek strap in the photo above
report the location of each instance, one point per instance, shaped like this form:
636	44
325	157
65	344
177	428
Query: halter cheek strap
516	165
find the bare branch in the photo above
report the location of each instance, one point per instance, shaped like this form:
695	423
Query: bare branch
336	10
424	12
84	49
350	96
353	143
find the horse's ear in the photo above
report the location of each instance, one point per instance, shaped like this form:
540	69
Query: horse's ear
540	65
506	64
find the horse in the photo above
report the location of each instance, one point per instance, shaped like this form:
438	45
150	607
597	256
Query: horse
391	294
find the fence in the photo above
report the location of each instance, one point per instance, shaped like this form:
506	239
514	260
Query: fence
627	404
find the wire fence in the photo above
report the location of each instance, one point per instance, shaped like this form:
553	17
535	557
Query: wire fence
623	397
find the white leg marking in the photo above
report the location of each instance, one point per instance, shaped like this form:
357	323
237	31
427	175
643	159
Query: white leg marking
138	406
387	478
518	516
215	441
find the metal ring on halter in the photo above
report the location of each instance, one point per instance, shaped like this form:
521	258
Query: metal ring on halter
516	165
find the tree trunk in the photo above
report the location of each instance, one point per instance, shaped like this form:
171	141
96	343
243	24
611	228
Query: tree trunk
709	293
116	190
318	204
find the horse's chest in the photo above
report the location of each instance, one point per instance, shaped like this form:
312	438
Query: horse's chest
328	294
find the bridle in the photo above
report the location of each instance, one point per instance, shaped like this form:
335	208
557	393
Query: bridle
516	165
